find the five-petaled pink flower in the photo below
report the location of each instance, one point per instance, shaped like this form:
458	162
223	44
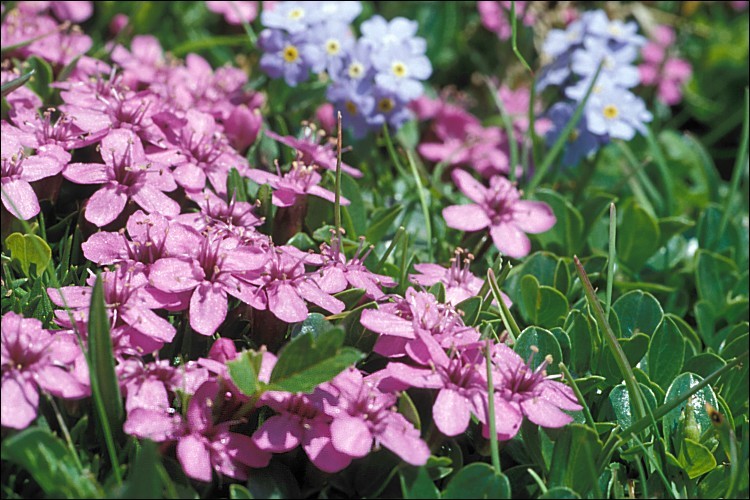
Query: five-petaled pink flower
34	358
500	208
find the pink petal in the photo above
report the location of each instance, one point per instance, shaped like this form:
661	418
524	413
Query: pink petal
194	458
152	200
533	216
208	308
106	204
19	198
242	449
451	412
86	173
387	323
41	166
156	425
278	434
175	275
317	444
150	394
331	280
105	248
70	296
510	240
190	177
402	438
59	382
149	323
469	186
544	413
415	377
309	291
466	217
351	435
19	402
284	302
508	418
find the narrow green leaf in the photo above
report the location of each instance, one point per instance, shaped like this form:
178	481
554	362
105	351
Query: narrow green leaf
42	78
104	385
49	462
573	459
383	220
12	85
144	480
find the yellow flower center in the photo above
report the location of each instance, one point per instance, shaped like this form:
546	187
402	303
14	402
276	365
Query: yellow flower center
291	53
351	107
333	47
356	70
386	105
296	14
399	69
610	111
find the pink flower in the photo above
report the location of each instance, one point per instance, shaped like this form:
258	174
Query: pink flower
143	63
235	12
460	283
363	416
126	174
300	180
337	272
150	385
283	286
128	303
461	383
242	127
198	151
399	324
500	208
300	421
314	153
527	392
19	169
660	69
212	269
34	359
233	218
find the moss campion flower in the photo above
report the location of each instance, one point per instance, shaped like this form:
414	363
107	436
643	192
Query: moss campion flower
501	209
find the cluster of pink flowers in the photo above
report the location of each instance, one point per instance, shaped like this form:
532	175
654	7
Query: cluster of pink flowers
157	139
662	70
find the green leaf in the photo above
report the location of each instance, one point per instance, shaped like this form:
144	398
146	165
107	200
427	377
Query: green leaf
42	78
574	458
314	324
383	220
407	408
545	342
302	242
304	363
705	364
478	480
104	383
239	492
620	401
560	492
583	338
12	85
634	348
244	371
470	308
666	352
416	483
638	312
29	249
696	459
566	237
50	463
543	305
143	480
715	276
273	482
564	340
680	386
672	226
638	236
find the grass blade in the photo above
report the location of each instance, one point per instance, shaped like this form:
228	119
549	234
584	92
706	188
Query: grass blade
104	387
612	252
